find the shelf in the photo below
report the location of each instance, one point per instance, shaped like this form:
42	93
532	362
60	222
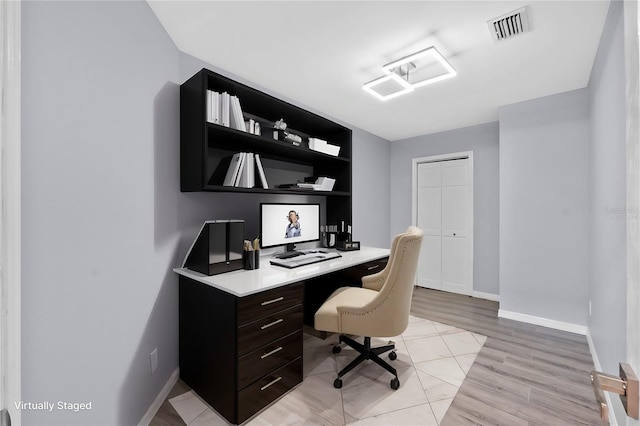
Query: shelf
206	149
221	188
222	137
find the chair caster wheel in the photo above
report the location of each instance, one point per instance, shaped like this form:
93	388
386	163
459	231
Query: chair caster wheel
395	383
393	356
337	383
336	349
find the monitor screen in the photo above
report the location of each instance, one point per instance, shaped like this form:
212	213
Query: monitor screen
282	224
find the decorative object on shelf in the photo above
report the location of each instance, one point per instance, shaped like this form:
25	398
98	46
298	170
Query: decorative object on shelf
320	145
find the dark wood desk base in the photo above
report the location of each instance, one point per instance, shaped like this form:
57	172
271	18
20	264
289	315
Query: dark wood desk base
240	354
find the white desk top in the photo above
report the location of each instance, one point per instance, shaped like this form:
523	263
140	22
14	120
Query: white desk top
243	283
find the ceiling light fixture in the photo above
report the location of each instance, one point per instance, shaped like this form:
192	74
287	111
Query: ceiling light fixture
410	72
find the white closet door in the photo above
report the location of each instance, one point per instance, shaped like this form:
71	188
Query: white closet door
444	214
430	221
456	209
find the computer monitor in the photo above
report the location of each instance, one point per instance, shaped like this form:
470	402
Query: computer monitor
288	224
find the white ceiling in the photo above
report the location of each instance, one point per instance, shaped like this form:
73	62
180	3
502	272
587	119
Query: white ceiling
319	53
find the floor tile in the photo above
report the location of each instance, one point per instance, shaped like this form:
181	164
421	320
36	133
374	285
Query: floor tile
427	349
461	343
366	398
419	415
466	361
189	406
209	418
428	369
436	389
440	408
446	370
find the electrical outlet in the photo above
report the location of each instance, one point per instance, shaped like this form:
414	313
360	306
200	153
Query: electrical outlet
589	308
154	360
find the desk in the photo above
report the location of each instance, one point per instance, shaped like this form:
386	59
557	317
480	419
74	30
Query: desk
241	332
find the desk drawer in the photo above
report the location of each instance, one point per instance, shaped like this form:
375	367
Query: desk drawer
260	394
256	364
255	306
268	329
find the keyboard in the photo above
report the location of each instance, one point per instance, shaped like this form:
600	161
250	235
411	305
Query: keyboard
308	259
289	254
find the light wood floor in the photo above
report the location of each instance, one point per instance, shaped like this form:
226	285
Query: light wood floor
523	375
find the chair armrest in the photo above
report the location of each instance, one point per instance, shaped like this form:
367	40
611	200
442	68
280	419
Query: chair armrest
374	281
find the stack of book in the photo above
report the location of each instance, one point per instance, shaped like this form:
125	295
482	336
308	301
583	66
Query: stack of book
323	183
242	170
224	109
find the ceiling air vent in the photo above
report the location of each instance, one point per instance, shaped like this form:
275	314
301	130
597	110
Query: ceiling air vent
509	25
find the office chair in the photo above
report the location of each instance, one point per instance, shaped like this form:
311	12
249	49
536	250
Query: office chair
380	308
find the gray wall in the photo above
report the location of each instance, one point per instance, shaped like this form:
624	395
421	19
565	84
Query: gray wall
607	208
99	117
483	141
544	207
104	221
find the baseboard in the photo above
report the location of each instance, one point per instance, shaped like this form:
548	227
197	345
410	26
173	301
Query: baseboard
164	393
544	322
486	296
598	367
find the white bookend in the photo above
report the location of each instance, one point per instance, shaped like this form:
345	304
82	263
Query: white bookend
238	179
224	109
263	178
232	171
256	129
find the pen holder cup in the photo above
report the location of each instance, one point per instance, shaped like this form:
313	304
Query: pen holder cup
329	239
251	259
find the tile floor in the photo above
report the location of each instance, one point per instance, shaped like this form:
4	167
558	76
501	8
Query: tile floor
433	360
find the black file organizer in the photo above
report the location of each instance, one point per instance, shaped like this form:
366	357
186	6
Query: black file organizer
218	248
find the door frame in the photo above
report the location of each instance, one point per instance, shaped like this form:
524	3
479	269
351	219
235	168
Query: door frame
414	194
10	197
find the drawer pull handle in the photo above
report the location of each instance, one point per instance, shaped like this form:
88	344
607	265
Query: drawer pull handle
268	302
371	268
278	349
278	321
273	382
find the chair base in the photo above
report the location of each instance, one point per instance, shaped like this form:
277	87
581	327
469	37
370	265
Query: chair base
367	352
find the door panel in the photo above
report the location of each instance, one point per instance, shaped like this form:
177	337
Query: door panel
455	210
455	264
429	206
430	265
455	172
443	203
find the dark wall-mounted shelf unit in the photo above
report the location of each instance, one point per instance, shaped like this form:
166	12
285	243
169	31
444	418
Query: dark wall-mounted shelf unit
206	148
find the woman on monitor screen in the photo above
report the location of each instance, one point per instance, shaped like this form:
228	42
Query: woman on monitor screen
293	228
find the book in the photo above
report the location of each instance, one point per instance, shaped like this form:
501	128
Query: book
235	114
247	180
224	109
240	169
263	178
232	171
213	107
